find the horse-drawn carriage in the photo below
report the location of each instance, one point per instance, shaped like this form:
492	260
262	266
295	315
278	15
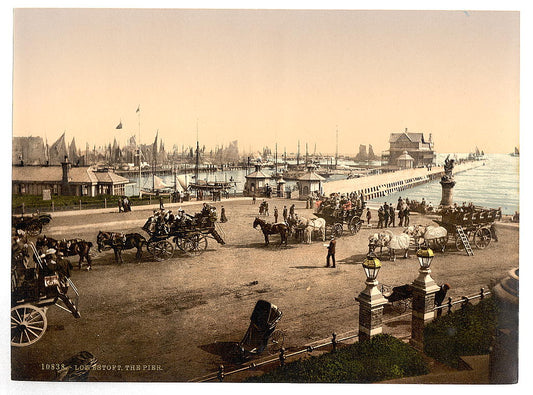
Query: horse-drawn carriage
399	297
33	290
337	218
474	225
33	225
189	233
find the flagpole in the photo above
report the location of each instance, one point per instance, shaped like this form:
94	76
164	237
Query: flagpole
139	146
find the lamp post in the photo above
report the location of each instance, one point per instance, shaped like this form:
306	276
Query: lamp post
371	301
424	289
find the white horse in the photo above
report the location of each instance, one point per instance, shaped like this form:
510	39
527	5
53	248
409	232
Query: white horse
432	236
390	241
312	225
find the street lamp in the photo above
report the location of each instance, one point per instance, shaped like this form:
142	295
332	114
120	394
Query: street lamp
425	256
371	266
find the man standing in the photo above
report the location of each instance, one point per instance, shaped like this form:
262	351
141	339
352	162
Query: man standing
406	216
386	215
253	199
368	216
392	216
275	214
120	204
380	217
331	251
285	213
223	215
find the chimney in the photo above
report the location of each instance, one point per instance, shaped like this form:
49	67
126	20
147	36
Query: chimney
65	165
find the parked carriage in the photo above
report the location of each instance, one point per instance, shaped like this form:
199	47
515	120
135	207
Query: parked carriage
33	290
337	218
475	225
189	235
261	333
33	225
399	298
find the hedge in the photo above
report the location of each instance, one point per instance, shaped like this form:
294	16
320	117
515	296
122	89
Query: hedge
468	331
383	357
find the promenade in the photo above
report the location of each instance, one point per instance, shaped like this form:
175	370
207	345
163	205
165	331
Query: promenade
180	314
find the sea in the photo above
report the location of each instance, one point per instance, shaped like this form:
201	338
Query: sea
494	185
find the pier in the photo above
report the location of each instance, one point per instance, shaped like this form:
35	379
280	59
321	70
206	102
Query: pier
384	184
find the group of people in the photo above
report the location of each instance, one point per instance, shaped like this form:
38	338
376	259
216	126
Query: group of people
387	214
124	204
340	204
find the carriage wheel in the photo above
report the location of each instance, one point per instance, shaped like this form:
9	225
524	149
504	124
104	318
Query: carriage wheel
275	342
441	243
354	225
337	230
28	324
482	238
459	243
34	229
400	306
163	250
200	243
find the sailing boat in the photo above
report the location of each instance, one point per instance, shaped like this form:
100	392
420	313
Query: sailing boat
516	152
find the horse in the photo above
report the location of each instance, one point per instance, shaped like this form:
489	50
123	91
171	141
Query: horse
271	229
432	236
68	248
119	242
391	242
313	224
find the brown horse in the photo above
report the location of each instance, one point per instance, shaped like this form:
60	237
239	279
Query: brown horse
119	242
68	248
271	229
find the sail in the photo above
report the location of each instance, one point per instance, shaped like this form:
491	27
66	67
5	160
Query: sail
477	151
516	150
159	183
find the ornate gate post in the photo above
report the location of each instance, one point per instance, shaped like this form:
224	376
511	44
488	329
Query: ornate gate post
424	289
371	301
447	182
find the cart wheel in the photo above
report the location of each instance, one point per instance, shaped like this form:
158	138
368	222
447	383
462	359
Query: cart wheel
28	324
399	306
337	230
482	238
459	243
200	244
276	342
150	246
354	225
441	243
34	229
163	250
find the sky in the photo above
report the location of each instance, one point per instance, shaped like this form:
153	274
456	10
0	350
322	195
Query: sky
267	76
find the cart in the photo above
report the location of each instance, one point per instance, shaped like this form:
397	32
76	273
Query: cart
32	225
474	226
190	235
337	218
33	290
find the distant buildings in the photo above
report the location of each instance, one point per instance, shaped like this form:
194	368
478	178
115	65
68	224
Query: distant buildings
66	180
414	145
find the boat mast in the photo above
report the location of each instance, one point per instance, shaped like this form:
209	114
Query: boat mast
276	160
336	146
298	155
139	145
197	157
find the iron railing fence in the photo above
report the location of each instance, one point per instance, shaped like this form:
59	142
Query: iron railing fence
463	301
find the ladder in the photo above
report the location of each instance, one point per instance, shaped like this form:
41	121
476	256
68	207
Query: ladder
464	240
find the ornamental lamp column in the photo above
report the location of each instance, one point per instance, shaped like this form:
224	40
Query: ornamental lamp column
424	289
371	301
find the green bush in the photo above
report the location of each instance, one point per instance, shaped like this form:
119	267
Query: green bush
467	331
381	358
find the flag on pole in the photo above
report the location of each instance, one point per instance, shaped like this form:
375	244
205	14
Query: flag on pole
138	108
119	126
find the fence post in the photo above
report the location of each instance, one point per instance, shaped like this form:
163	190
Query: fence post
334	341
482	294
464	302
220	373
449	305
282	356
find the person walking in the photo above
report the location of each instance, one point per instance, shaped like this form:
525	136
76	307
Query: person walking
291	211
161	205
392	221
285	213
253	198
368	216
385	215
400	216
331	251
120	204
223	215
275	214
